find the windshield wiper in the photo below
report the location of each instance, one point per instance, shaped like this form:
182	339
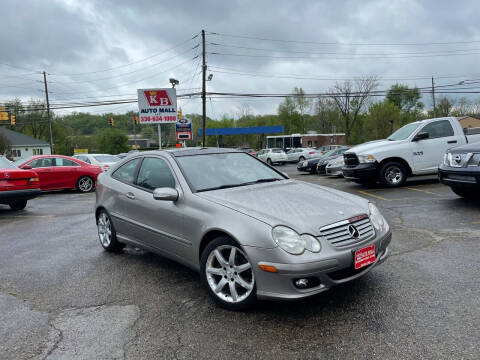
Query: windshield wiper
241	184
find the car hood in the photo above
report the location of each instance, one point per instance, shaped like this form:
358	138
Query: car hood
302	206
371	146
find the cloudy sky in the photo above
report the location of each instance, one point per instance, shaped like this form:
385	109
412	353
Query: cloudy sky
105	50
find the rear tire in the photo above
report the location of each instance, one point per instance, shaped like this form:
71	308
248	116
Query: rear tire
393	174
301	158
229	280
85	184
18	205
269	161
107	234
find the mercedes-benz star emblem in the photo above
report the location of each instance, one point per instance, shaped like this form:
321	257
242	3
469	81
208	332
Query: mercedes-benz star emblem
352	230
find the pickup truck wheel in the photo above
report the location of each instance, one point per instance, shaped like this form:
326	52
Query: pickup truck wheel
393	174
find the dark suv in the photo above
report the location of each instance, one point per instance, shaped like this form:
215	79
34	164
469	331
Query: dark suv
461	170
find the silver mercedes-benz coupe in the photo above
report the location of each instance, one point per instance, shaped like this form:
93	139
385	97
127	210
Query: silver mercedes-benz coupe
250	231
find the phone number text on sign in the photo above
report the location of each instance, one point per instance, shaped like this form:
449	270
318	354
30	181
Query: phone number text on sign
157	118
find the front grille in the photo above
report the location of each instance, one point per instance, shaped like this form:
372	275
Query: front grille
338	234
350	159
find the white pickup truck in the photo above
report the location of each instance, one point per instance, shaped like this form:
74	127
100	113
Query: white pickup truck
414	149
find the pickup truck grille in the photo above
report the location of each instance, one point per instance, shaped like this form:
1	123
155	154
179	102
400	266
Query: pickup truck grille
340	234
350	159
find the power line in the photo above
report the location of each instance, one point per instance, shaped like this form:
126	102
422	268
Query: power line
133	62
344	43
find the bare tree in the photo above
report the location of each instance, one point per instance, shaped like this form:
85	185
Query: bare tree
4	145
351	97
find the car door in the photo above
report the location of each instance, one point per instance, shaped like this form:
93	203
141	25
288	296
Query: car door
428	153
159	223
44	168
65	173
261	155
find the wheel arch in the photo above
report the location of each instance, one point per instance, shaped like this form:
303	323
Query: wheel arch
211	235
396	159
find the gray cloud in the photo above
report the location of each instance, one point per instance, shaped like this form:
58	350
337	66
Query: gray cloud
71	37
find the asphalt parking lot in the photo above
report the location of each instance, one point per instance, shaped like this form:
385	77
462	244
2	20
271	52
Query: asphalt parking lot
62	296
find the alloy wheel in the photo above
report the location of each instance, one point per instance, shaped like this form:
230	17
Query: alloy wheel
104	230
85	184
229	274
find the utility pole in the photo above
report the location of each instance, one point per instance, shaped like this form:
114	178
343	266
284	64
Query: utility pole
48	112
433	99
204	90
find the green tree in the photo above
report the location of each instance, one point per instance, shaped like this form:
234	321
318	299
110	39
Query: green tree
407	99
383	117
4	145
444	107
111	141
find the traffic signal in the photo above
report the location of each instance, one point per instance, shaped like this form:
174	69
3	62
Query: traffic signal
180	115
3	115
136	119
111	122
12	120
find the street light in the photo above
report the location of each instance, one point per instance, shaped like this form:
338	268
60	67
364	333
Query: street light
174	82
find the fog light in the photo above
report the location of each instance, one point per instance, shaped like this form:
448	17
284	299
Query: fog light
301	283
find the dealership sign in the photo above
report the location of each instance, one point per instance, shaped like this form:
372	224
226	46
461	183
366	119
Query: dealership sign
157	106
183	129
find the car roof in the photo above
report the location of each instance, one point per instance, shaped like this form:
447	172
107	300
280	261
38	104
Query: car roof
193	151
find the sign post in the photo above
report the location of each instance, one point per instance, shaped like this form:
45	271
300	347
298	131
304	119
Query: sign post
157	106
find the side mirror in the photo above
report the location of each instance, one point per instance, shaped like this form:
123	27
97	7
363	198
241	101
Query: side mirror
165	194
26	167
421	136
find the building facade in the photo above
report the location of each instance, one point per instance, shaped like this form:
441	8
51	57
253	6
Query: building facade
23	146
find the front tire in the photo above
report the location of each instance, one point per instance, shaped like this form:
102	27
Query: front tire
227	275
269	161
85	184
18	205
465	193
107	234
301	158
393	174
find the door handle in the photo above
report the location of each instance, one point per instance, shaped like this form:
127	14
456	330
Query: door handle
130	196
452	142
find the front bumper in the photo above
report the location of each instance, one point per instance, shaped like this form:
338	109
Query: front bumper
333	171
328	272
460	177
9	196
361	171
309	167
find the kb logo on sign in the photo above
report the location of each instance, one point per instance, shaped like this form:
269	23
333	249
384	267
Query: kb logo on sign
157	98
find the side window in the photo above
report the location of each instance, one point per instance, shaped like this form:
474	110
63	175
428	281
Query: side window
65	162
45	162
155	173
438	129
126	172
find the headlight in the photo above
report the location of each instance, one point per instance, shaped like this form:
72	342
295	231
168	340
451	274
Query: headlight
311	243
446	161
366	159
288	240
377	219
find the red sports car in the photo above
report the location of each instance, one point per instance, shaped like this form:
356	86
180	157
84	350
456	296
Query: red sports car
62	172
17	186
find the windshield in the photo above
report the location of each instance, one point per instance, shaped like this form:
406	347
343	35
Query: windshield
106	158
329	153
21	161
404	132
216	171
6	164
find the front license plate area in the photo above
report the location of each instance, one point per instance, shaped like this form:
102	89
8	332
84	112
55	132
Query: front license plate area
364	256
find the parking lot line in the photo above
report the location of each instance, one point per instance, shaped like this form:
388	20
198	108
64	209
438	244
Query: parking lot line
420	190
372	195
26	216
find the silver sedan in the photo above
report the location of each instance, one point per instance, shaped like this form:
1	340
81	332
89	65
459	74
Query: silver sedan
250	231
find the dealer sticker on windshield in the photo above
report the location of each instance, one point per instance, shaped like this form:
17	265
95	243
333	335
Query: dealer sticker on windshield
365	256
